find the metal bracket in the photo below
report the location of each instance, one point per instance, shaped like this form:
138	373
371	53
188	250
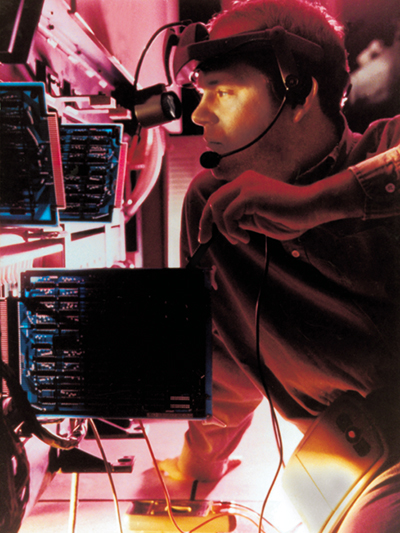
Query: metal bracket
80	461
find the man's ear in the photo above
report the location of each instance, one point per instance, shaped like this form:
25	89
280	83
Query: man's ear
302	110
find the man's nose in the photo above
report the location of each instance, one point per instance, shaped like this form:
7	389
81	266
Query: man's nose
203	114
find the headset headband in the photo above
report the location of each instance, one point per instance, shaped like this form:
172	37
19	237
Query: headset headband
195	47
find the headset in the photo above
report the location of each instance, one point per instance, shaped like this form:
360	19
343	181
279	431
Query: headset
190	47
196	48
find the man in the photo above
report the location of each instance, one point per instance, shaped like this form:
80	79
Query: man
293	184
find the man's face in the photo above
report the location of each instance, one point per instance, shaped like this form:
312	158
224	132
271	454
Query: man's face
236	107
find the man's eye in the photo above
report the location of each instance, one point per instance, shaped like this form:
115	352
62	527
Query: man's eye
223	93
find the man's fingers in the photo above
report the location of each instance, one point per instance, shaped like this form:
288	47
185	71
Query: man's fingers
214	213
233	215
270	228
206	222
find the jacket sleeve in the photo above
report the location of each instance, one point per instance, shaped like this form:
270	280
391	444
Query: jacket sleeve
379	170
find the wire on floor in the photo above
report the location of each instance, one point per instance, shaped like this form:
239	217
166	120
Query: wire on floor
206	521
274	419
108	471
73	506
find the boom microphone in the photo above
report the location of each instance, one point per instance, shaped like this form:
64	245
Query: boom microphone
212	159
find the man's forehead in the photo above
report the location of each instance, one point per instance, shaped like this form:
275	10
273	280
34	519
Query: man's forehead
213	78
238	75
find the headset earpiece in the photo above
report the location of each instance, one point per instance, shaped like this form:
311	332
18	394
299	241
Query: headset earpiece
297	87
297	93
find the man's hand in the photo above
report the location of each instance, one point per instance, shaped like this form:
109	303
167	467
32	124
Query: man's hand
253	202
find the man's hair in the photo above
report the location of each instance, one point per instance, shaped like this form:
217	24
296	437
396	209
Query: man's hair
305	19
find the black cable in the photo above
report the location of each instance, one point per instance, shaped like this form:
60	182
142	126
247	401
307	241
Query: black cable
150	42
192	263
143	55
194	490
198	254
33	425
275	423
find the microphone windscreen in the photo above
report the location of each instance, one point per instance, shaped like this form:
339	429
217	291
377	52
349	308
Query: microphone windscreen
210	159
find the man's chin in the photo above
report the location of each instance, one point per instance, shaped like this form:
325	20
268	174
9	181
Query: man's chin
219	174
228	169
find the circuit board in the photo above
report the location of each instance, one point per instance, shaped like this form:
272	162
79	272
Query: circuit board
91	165
31	185
116	343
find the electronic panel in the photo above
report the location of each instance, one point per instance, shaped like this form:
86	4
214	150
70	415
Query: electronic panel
31	181
92	166
116	343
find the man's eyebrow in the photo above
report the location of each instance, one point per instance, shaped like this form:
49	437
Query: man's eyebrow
211	82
